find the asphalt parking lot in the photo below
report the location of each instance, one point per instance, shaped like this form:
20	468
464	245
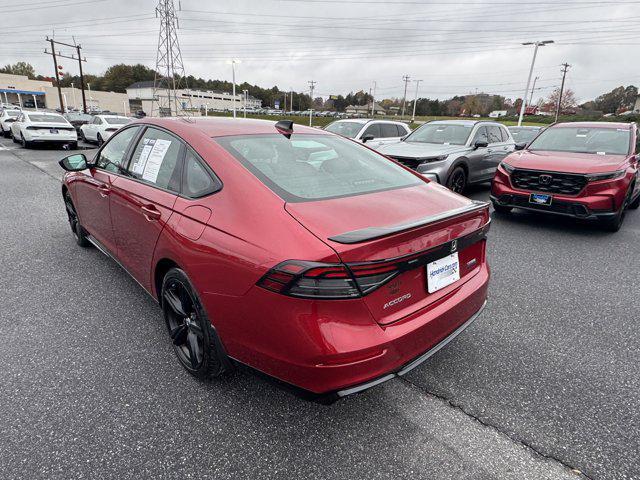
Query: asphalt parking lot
544	385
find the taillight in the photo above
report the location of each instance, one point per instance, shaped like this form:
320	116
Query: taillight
326	281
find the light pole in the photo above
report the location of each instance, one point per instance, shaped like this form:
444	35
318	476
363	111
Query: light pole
73	91
90	98
373	101
533	61
233	78
244	96
415	100
533	89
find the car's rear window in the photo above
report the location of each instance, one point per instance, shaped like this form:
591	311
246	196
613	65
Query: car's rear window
315	167
117	120
603	141
46	118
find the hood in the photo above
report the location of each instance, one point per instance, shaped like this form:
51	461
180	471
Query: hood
420	150
568	162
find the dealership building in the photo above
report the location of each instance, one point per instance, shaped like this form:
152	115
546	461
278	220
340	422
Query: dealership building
27	93
141	98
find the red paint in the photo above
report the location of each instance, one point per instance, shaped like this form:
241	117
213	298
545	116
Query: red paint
227	241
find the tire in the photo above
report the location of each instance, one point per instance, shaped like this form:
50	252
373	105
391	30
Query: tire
636	203
81	136
457	180
13	137
614	223
73	146
24	143
195	341
6	134
99	140
79	233
501	209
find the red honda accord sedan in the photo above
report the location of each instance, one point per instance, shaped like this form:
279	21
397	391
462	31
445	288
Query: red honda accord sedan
301	254
582	170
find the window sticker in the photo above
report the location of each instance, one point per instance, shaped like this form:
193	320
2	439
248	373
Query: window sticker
154	159
138	167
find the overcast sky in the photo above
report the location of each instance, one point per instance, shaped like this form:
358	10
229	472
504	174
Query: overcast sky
454	47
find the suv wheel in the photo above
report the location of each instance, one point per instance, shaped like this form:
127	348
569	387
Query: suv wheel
614	223
457	180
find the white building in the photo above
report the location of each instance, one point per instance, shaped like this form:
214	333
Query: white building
141	98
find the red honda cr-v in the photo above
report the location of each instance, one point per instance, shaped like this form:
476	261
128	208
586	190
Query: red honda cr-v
302	254
583	170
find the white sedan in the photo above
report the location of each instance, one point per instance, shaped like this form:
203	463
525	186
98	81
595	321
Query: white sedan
7	117
102	127
43	127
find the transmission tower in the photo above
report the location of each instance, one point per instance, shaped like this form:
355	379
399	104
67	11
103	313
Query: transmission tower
170	75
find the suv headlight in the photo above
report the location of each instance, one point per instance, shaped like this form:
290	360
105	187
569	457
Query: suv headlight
595	177
507	168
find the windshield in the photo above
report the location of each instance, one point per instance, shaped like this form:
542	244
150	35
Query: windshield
523	135
46	118
316	167
601	141
80	117
346	129
117	120
441	133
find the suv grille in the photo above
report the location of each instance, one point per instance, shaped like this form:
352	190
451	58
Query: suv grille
412	163
552	182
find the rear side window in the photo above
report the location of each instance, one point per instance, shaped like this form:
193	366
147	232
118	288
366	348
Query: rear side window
316	167
156	159
401	131
389	130
505	134
197	181
112	155
373	130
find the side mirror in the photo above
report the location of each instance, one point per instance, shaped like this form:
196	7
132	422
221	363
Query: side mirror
367	137
480	144
74	163
521	145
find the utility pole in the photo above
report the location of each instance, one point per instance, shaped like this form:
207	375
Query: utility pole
565	67
170	73
533	89
533	61
244	93
72	57
415	101
405	79
373	101
55	66
233	79
312	85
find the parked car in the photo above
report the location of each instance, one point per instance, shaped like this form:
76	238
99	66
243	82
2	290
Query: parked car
374	133
524	135
77	119
297	252
583	170
102	127
30	128
455	153
7	117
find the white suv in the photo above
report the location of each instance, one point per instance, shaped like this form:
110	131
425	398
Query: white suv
374	133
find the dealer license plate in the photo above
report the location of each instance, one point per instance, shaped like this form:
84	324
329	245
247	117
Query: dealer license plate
443	272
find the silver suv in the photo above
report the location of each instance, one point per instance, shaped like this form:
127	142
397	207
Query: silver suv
454	153
375	133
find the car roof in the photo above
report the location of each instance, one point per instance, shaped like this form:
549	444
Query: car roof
529	127
612	125
466	123
222	126
110	116
364	121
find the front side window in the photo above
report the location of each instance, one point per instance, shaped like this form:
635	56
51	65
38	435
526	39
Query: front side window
481	135
112	155
493	133
156	159
373	130
598	140
346	129
315	167
441	133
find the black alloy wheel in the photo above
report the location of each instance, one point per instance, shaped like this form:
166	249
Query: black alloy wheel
79	233
614	224
194	341
457	180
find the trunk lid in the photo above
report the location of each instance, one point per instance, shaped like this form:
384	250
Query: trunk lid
413	222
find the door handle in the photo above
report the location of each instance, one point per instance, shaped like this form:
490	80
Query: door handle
150	213
104	190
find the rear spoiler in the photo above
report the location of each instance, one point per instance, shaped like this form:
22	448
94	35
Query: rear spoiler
371	233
